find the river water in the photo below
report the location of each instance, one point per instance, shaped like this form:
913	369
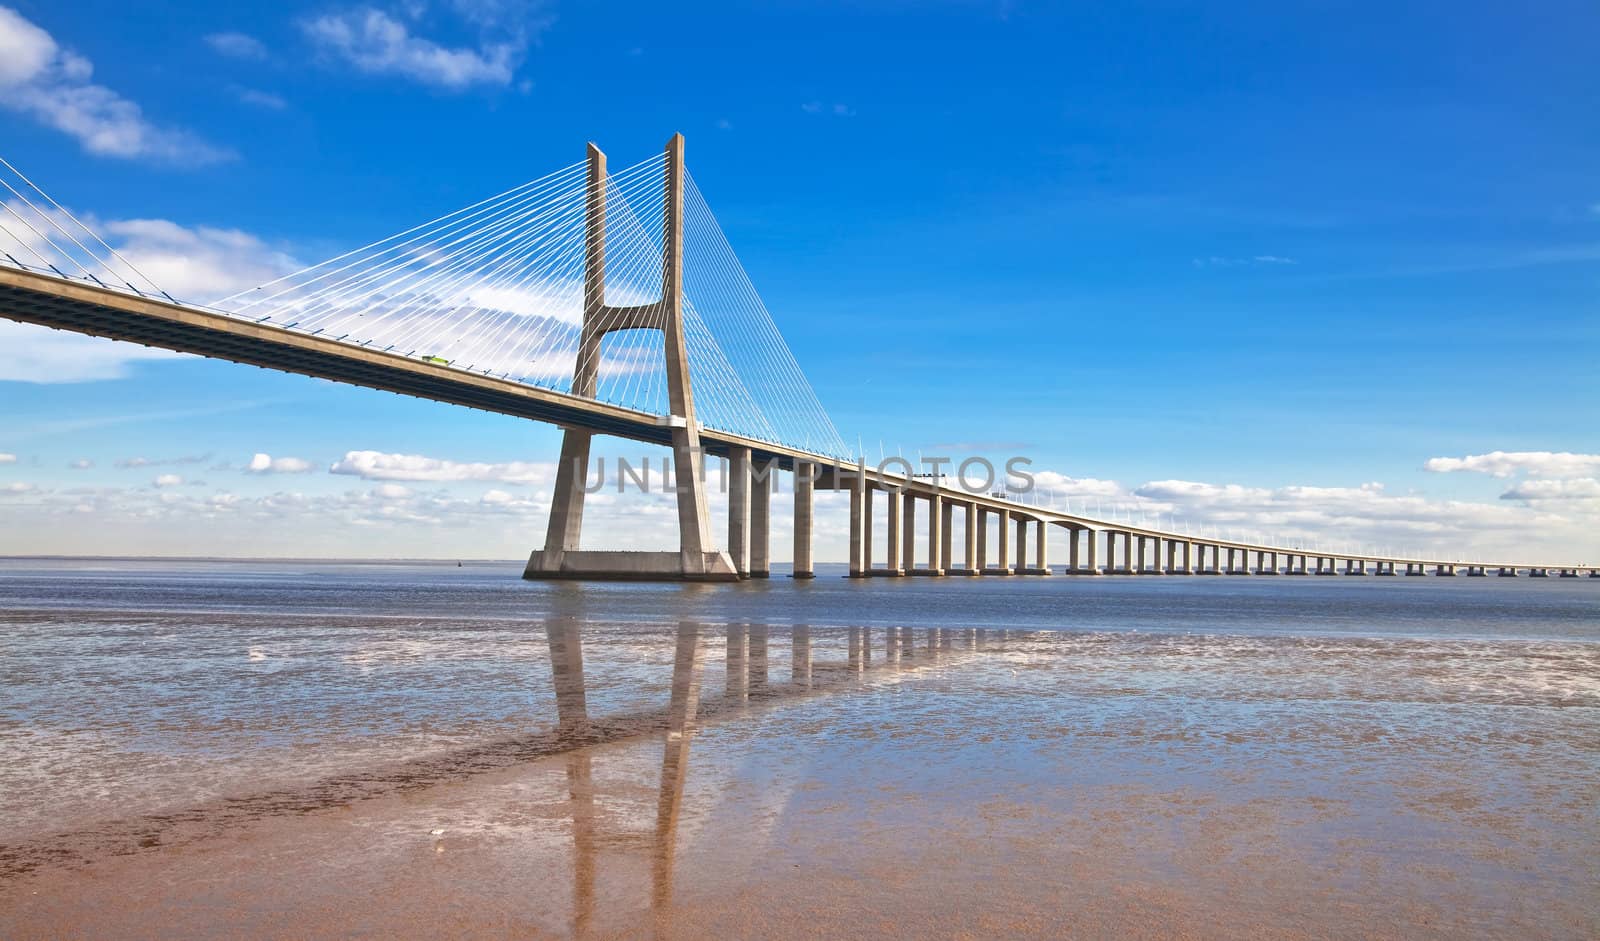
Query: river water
281	749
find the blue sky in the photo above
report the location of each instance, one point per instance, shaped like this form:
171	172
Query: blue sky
1250	264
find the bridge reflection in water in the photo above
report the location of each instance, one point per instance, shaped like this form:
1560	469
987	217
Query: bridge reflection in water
748	685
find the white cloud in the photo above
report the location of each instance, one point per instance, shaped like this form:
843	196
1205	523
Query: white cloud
81	463
378	44
196	263
237	45
191	263
1075	487
837	110
137	462
39	354
375	465
267	464
17	488
261	99
168	480
52	85
8	459
199	263
1558	464
1219	261
1534	491
1554	522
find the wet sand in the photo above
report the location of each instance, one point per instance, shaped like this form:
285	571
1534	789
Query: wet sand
745	780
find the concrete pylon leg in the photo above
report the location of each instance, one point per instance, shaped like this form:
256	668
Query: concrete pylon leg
969	537
804	518
983	540
1072	551
566	507
866	531
1021	561
892	533
941	552
1041	547
1091	542
860	509
739	509
762	478
908	533
1002	546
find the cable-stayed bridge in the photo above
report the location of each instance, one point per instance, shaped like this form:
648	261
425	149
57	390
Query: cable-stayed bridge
610	302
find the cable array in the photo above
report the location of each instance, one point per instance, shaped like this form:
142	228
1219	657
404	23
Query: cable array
725	301
39	234
499	288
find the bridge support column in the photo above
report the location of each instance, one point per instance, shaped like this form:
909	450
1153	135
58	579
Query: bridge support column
938	533
983	540
1002	549
947	519
763	476
860	513
908	533
1507	571
892	533
805	476
1091	542
973	528
1021	561
867	524
1041	547
739	509
1072	551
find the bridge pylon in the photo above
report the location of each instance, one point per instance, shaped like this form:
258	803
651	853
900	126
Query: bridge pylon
695	559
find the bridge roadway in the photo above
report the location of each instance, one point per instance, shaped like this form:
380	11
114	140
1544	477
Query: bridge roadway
81	307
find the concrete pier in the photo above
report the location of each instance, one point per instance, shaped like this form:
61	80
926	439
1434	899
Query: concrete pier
908	532
947	518
804	518
1003	544
974	529
762	479
860	513
739	509
892	533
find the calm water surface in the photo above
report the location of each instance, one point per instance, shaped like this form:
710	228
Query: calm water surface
1238	756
